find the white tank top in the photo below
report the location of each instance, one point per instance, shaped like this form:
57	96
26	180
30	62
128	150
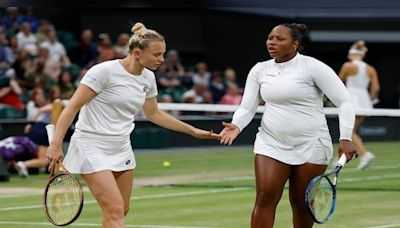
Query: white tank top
360	80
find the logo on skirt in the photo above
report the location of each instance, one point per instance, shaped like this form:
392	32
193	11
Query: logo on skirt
127	162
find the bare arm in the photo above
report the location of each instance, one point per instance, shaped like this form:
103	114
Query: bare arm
82	96
344	71
46	108
373	77
165	120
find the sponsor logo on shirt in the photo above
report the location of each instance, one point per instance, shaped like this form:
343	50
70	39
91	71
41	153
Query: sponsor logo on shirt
145	89
91	79
270	75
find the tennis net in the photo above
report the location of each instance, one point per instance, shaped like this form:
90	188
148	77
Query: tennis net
380	132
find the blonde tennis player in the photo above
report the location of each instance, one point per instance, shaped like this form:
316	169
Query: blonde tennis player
363	85
293	142
109	96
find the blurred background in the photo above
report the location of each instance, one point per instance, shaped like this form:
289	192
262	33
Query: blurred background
232	33
47	46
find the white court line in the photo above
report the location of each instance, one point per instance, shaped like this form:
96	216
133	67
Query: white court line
349	179
385	226
346	170
96	225
153	196
370	178
349	170
380	167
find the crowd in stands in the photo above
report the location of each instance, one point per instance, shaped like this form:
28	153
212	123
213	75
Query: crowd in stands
34	55
39	64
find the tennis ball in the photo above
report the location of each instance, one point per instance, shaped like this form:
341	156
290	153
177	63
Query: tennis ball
166	164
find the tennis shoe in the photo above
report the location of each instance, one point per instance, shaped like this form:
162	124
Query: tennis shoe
365	160
22	169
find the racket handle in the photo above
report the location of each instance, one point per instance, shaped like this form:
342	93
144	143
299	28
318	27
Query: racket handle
50	131
342	160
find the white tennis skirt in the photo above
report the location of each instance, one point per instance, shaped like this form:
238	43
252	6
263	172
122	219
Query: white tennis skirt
360	98
316	150
89	153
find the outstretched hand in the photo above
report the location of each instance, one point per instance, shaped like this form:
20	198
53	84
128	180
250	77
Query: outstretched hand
229	133
347	147
202	134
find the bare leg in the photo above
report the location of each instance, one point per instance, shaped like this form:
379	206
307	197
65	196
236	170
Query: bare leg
105	189
40	161
300	178
125	182
358	142
365	156
271	176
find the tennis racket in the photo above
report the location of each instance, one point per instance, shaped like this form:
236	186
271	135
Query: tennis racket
321	193
63	195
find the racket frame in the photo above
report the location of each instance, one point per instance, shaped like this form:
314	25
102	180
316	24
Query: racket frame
62	172
333	184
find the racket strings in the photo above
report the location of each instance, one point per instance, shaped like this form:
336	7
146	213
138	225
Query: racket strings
321	199
63	200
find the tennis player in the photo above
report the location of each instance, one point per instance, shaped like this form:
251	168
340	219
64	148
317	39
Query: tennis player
363	85
293	142
109	96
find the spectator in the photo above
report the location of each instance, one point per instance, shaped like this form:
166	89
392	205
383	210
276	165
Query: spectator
43	31
232	96
56	49
6	57
30	18
230	76
11	21
174	65
164	79
22	65
105	49
66	85
51	67
38	77
202	76
86	51
10	91
27	40
195	95
166	98
121	48
217	86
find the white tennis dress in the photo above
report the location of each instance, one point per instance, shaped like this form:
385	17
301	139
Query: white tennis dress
101	140
293	127
358	84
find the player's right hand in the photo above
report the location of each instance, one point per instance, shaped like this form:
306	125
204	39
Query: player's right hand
229	133
53	155
347	147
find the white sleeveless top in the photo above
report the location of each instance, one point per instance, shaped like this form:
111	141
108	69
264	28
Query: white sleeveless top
359	80
358	84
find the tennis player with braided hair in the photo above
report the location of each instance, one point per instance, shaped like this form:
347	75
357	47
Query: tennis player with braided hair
362	82
293	142
109	96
